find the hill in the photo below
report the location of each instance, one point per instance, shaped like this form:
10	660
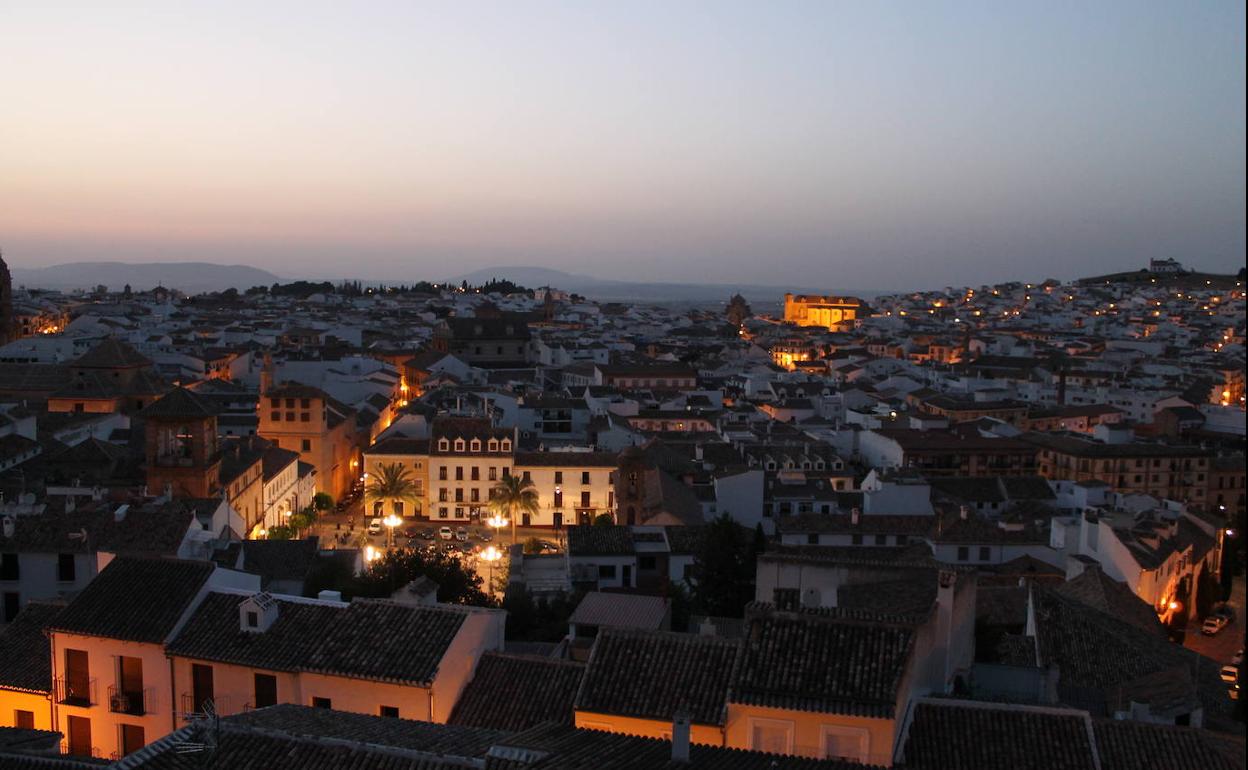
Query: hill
190	277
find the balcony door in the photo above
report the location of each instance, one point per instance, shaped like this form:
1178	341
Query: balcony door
130	682
77	678
201	686
79	736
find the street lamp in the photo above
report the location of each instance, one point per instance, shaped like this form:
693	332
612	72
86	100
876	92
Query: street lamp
489	556
391	522
497	522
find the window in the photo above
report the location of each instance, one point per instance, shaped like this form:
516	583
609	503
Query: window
443	445
132	738
584	477
459	494
786	598
474	495
9	568
253	619
856	539
506	445
476	473
984	553
459	445
584	499
606	572
306	445
845	743
493	445
265	690
290	417
322	703
881	539
526	476
305	403
964	553
493	473
276	403
459	474
389	711
442	473
305	417
771	735
275	416
77	686
475	446
647	563
23	720
442	497
558	477
558	503
812	538
290	403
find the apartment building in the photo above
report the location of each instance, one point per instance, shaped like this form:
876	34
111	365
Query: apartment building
467	456
1165	471
321	429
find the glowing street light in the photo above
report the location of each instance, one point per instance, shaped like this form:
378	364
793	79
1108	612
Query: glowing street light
497	522
391	522
489	556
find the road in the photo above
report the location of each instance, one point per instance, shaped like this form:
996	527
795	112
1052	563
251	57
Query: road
1222	645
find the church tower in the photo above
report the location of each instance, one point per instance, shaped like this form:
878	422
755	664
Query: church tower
181	450
7	334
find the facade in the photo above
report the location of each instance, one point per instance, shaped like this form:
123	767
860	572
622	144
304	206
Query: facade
321	429
467	456
820	310
572	487
1164	471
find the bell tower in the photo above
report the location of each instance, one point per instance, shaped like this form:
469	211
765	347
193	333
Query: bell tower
181	450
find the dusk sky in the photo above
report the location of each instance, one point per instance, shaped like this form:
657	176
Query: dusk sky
837	145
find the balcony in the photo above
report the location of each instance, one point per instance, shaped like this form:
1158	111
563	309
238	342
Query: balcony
76	691
135	702
218	706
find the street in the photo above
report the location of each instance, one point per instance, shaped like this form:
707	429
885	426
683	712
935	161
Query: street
1223	645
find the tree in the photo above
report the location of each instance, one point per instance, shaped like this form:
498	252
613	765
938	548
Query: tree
393	484
738	310
323	501
280	532
457	584
512	496
604	520
723	569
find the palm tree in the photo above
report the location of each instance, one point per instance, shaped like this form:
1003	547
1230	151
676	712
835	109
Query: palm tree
511	497
391	483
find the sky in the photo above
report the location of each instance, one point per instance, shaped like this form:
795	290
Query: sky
836	145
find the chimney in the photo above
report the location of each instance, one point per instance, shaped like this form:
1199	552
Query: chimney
680	737
855	515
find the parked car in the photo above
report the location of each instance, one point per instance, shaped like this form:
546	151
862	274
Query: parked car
445	533
374	526
484	537
461	535
1213	624
547	546
1229	673
427	534
1225	611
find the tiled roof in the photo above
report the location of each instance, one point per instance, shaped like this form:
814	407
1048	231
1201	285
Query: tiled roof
24	660
958	735
808	662
1128	745
279	559
111	354
567	459
369	639
513	692
399	445
1096	589
620	611
1097	654
458	740
178	403
655	674
908	596
591	540
134	599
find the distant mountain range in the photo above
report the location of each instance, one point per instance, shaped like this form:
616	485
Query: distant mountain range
650	291
197	277
190	277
